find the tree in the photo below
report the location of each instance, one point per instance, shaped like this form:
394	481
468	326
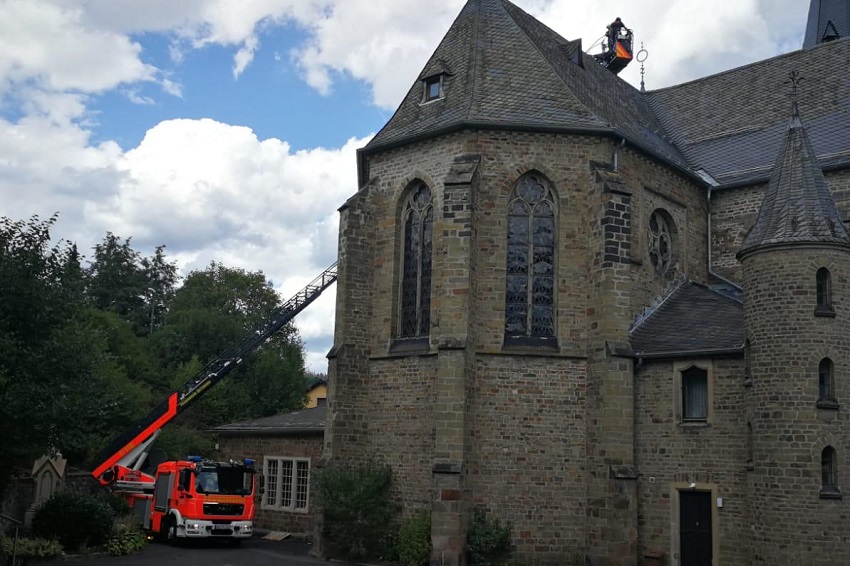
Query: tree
137	288
58	387
213	309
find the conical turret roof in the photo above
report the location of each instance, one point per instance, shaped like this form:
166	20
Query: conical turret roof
503	69
798	207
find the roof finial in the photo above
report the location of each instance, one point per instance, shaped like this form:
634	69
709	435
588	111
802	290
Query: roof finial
795	80
641	57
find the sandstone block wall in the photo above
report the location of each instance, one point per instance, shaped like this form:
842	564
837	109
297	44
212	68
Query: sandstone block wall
792	522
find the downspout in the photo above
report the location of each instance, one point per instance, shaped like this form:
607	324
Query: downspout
617	151
711	186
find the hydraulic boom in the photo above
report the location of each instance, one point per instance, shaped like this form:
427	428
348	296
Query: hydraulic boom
122	459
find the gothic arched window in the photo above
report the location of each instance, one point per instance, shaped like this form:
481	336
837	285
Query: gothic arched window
823	287
418	222
829	473
826	385
530	278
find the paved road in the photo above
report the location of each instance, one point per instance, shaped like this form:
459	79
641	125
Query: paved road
253	552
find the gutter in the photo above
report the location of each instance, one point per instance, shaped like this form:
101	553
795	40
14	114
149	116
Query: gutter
706	353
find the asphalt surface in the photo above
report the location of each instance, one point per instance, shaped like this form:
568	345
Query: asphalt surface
253	552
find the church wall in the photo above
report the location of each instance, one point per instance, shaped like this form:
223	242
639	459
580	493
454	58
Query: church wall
527	462
733	213
401	424
565	161
671	455
656	186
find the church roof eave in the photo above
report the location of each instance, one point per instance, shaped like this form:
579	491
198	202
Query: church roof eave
605	131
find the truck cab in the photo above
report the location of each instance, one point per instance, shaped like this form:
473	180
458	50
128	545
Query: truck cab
196	498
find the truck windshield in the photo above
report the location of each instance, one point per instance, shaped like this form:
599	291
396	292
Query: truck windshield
224	481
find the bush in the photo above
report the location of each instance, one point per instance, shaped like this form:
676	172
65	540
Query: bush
30	547
357	512
488	541
77	520
127	538
414	540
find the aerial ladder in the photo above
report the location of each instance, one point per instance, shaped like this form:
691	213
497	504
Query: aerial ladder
120	462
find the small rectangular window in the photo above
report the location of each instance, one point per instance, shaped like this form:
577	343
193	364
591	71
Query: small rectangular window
433	88
695	394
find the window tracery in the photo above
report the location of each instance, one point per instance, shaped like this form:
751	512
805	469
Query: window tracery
660	239
530	278
418	222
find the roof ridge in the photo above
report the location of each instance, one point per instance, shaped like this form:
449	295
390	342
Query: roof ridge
678	283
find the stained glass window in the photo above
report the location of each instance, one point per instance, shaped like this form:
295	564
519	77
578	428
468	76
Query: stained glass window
530	277
416	272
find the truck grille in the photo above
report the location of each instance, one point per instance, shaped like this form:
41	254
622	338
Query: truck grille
223	508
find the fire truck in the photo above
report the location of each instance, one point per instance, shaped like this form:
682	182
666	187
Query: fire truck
196	497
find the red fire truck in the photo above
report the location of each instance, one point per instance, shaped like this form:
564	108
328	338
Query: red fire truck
195	497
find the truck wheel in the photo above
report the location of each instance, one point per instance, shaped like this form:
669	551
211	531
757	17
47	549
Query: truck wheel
171	530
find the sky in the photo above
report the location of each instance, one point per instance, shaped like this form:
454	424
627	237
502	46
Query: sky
227	130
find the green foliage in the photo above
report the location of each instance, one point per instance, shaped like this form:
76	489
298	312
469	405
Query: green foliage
137	288
76	520
126	538
414	540
49	359
488	541
30	547
87	352
357	512
214	309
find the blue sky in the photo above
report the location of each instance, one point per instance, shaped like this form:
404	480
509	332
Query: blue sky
227	130
269	96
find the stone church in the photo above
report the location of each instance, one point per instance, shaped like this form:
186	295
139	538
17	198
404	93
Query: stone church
618	320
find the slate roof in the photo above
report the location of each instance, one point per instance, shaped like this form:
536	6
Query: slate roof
826	18
732	124
798	205
693	320
303	422
505	69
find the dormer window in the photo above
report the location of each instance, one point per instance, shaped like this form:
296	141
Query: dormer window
433	88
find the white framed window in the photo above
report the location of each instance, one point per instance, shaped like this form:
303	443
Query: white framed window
287	483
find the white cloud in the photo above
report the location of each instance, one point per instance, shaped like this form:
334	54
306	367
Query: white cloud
50	44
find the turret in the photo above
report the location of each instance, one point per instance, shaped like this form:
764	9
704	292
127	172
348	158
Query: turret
795	266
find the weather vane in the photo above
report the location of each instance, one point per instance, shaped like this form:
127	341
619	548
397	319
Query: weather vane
641	57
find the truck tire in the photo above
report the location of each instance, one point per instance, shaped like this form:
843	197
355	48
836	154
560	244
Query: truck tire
170	527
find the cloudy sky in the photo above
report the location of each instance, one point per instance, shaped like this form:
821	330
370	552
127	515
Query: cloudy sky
227	129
